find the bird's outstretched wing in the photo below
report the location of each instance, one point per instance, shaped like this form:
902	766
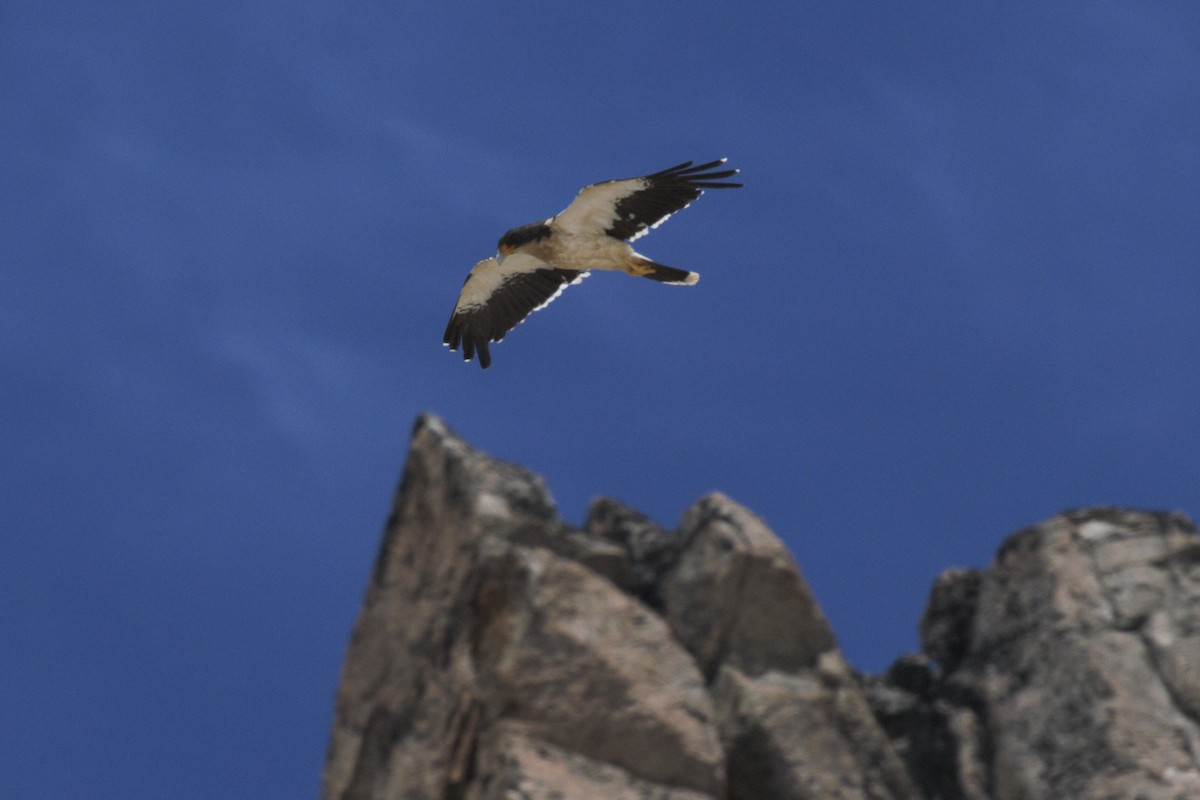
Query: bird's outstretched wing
496	296
626	209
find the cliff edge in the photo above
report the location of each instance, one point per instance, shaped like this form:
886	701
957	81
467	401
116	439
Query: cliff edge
502	654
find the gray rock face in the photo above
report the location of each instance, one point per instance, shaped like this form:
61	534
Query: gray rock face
805	735
1070	667
735	596
492	651
502	654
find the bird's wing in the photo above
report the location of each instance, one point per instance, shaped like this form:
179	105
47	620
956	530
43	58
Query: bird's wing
495	297
626	209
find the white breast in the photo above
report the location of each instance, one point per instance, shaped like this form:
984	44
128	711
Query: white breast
588	251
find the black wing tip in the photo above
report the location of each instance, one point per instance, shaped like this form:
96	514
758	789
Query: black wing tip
701	176
452	336
675	169
480	349
457	335
485	359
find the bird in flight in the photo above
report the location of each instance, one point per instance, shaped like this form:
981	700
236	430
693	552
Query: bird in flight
535	262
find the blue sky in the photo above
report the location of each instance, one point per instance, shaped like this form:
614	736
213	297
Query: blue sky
958	293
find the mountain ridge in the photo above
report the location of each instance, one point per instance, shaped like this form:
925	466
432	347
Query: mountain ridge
503	653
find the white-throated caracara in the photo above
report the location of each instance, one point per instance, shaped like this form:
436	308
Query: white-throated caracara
535	262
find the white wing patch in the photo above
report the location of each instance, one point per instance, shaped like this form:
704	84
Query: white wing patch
488	275
594	209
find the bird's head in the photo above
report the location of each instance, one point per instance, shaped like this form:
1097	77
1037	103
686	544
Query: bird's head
517	238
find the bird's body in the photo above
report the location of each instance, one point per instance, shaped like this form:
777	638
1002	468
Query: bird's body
535	262
566	249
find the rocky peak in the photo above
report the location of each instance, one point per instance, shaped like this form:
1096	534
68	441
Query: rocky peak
502	653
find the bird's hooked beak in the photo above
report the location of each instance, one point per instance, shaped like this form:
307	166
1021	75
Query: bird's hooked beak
503	252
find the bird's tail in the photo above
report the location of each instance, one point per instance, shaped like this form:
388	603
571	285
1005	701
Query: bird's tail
645	268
